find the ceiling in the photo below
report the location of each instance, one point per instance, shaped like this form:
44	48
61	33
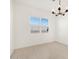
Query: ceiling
44	4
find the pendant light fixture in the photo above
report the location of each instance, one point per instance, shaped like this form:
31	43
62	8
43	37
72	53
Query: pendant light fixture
59	10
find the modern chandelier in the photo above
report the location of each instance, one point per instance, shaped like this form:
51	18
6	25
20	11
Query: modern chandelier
59	10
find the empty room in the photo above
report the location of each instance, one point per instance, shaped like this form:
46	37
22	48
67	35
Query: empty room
39	29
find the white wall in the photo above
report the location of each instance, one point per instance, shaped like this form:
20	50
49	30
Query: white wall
62	29
11	47
12	27
23	37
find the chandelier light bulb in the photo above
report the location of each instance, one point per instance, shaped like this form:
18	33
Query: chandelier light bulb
59	6
52	9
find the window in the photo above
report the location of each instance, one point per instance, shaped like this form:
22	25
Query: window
38	24
44	25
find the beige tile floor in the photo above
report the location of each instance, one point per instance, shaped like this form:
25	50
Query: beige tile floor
52	50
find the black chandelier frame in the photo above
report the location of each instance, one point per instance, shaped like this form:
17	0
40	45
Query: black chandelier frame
59	9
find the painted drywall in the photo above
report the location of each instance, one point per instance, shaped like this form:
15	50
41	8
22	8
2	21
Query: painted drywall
11	28
11	32
11	47
22	34
62	29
